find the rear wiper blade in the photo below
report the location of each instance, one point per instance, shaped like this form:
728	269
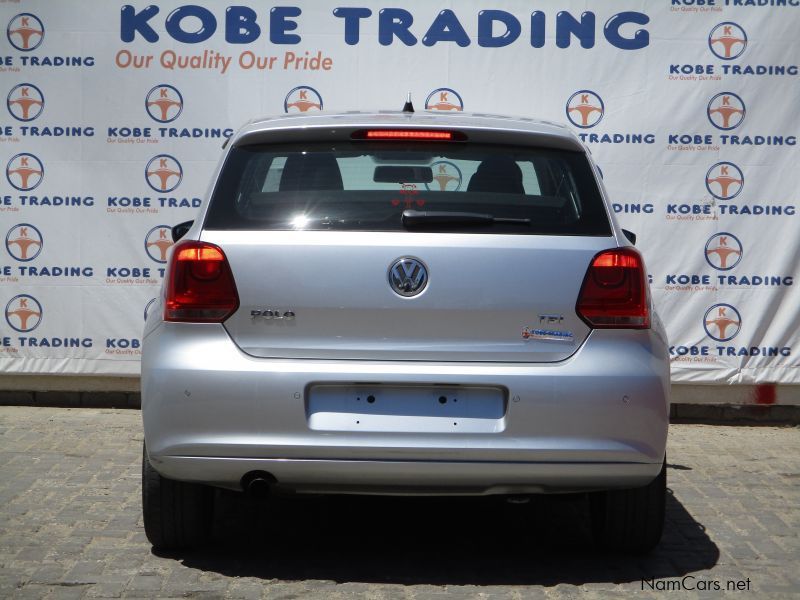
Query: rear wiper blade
415	218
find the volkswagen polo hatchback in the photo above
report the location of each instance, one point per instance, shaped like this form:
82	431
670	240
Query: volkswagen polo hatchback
405	303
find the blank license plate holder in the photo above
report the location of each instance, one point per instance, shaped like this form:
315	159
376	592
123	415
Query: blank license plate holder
417	409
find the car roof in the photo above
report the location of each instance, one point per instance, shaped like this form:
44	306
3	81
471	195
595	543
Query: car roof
483	127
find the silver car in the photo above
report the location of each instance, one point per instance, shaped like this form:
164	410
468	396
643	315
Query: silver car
405	303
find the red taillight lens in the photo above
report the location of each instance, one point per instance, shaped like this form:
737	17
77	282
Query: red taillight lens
411	135
408	134
614	292
199	286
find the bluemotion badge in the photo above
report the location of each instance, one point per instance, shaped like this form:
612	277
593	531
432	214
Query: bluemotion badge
547	335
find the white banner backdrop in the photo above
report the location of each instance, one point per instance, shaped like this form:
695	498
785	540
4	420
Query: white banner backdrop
115	114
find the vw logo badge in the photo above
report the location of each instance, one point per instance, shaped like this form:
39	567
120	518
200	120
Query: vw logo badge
408	276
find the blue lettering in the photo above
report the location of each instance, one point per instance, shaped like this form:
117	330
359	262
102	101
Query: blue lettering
208	24
537	29
692	69
279	24
395	22
640	39
486	20
567	25
122	343
124	201
446	28
634	208
690	350
132	22
240	25
691	139
128	272
352	17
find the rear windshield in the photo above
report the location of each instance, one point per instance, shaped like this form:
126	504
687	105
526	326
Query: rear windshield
367	186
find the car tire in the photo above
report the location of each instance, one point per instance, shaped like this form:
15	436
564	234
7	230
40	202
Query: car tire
632	520
176	514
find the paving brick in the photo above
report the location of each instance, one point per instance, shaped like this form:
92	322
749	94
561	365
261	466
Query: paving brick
104	399
71	519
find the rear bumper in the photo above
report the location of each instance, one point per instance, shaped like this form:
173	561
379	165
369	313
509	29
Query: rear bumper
597	420
413	477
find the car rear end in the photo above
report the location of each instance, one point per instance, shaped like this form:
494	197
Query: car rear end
406	305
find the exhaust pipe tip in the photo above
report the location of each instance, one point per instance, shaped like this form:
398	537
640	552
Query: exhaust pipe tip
258	483
518	499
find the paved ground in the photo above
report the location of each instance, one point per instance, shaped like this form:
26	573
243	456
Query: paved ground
70	527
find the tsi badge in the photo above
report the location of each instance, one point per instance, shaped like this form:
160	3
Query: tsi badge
546	332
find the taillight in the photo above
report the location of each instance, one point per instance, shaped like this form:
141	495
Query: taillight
614	292
199	286
406	134
413	135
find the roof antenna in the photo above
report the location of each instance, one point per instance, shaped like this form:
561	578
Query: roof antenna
408	107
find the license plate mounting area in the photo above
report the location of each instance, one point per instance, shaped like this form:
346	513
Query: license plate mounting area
406	408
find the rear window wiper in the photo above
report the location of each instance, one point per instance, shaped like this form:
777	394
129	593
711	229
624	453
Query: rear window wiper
417	218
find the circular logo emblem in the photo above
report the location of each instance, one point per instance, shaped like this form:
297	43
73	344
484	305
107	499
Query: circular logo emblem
163	173
164	103
25	102
724	180
148	306
302	99
408	276
724	251
444	99
585	109
24	242
24	172
727	41
157	241
25	32
446	177
23	313
726	111
722	322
